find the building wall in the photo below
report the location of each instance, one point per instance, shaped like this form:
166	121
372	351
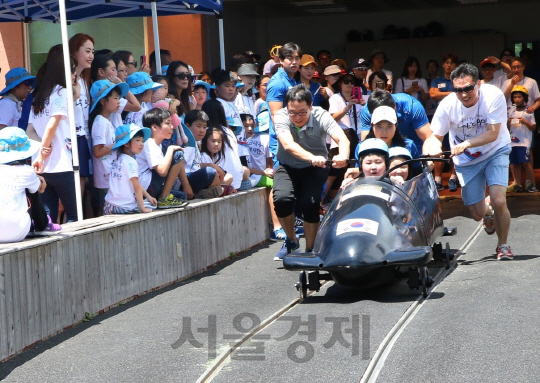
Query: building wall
314	32
184	36
11	48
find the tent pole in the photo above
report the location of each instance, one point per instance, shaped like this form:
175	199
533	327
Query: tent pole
221	44
155	28
71	110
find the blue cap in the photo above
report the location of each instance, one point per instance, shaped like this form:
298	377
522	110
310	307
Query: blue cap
15	145
399	151
164	69
206	85
140	82
124	134
102	88
372	144
16	76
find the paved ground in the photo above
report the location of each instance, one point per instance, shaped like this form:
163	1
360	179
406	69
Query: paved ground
479	325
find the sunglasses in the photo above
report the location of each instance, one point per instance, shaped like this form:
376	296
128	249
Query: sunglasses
348	82
73	70
361	68
29	83
134	63
467	89
183	76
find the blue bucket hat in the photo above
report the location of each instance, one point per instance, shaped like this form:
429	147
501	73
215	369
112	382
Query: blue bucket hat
16	76
140	82
372	144
15	145
164	69
124	134
102	88
206	85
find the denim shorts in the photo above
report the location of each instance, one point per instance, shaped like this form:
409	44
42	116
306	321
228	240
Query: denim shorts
492	171
157	182
201	179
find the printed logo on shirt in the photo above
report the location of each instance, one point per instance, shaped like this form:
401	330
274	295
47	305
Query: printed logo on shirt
441	85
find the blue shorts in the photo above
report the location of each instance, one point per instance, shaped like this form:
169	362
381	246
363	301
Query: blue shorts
492	171
201	179
85	158
157	182
520	155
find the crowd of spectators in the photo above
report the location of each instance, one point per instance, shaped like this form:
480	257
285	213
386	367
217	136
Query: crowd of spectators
148	141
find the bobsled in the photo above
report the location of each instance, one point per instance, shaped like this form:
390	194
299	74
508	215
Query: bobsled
376	231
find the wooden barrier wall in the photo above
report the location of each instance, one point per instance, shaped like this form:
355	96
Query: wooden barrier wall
49	284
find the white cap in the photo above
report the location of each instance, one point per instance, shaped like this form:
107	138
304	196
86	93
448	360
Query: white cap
384	113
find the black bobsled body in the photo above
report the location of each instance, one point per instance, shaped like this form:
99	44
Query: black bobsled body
372	228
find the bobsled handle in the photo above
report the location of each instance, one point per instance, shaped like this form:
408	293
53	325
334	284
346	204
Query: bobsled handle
421	159
351	161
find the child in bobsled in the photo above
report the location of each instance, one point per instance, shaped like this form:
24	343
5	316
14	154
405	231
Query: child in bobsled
375	159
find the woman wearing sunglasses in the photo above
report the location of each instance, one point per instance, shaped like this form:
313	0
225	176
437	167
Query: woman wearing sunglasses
346	111
180	86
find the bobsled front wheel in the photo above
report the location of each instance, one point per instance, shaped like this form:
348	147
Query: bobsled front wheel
426	280
301	285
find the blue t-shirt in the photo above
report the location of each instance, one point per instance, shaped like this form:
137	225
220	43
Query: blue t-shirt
314	88
276	89
25	112
410	113
443	84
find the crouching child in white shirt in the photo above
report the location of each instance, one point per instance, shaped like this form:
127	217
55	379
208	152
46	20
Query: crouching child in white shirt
125	194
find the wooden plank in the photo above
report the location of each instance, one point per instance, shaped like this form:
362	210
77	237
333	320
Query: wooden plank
57	291
42	280
10	304
4	352
33	292
23	298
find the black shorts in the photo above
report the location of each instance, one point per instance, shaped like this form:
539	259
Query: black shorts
302	187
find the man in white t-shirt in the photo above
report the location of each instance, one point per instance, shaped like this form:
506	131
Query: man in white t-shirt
475	117
518	66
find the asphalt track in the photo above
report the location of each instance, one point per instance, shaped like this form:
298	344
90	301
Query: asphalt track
479	323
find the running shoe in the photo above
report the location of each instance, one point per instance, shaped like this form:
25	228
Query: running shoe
212	192
504	252
278	235
532	189
299	230
452	185
489	220
50	229
298	222
287	248
439	186
171	202
518	189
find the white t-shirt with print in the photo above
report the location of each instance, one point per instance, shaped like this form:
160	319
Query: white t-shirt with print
60	159
9	114
520	135
150	157
529	84
231	164
245	103
82	110
337	104
15	220
231	111
102	134
259	151
192	156
466	123
403	83
136	117
121	192
116	118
